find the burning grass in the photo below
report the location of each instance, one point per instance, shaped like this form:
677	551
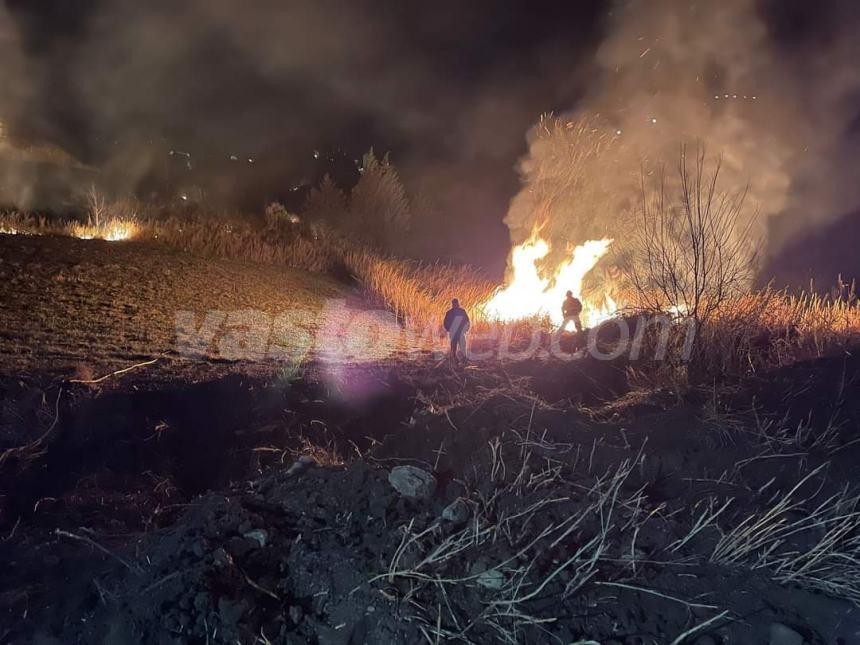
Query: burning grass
113	230
749	333
222	237
530	293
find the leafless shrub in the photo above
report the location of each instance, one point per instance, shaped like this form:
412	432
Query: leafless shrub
96	206
112	220
694	249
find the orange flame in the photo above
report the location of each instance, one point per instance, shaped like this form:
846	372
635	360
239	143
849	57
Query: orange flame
113	231
531	294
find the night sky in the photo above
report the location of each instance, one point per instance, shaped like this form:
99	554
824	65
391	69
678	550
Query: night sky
449	87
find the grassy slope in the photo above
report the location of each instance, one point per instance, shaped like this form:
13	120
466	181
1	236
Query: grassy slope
66	302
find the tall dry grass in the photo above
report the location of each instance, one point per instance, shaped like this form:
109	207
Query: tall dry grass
224	238
771	328
17	223
416	292
243	241
750	333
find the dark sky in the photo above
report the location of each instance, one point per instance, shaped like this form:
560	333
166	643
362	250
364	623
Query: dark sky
449	87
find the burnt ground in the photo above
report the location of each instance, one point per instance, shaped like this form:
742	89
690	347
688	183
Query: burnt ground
230	502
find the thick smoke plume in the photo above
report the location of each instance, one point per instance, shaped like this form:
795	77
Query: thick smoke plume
718	74
448	87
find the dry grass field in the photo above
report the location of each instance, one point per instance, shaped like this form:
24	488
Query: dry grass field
90	306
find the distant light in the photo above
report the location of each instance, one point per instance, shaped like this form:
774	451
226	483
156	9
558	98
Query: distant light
717	97
618	132
250	160
316	154
734	96
726	95
653	120
234	158
753	98
184	198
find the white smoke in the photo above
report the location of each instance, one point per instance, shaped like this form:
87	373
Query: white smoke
675	73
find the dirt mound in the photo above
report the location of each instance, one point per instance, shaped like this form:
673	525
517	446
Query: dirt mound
546	522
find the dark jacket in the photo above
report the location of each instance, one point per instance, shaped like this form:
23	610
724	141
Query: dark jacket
571	307
457	321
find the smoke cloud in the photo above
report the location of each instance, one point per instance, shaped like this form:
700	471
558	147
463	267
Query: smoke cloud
448	87
779	107
250	88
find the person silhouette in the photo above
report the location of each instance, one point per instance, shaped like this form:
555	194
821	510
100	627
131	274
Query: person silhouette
457	324
571	309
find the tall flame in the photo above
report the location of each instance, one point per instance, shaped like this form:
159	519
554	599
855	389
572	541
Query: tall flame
529	293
